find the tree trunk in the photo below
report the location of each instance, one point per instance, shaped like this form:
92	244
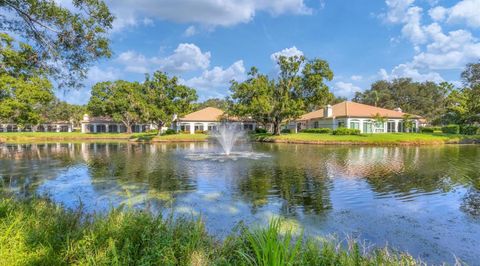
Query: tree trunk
159	127
129	127
276	128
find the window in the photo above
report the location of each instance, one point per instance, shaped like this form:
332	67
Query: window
400	127
391	126
101	128
367	127
355	124
112	128
198	127
341	123
315	124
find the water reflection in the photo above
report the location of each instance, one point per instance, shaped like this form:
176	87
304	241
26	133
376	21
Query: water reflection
424	200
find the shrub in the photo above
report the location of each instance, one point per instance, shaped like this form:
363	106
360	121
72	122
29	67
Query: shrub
317	130
346	131
469	130
451	129
286	131
170	131
260	130
200	132
427	130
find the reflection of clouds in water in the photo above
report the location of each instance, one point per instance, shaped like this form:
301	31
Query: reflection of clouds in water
220	157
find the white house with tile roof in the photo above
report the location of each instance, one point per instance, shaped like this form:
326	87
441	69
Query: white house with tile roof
356	116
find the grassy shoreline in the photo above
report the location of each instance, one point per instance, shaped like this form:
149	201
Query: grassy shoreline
299	138
77	136
370	139
38	232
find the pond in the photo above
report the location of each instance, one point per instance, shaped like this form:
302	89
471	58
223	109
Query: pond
423	200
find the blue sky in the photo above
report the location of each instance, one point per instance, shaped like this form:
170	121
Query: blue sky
207	43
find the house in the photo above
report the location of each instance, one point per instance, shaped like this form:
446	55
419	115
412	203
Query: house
356	116
103	124
57	126
207	119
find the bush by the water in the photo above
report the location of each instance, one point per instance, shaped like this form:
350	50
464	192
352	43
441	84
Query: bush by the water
260	130
346	131
37	232
201	132
286	131
451	129
470	130
317	130
170	131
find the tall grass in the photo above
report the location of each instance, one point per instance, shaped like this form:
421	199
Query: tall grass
37	232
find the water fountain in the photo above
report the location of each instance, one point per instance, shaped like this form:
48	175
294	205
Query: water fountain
227	135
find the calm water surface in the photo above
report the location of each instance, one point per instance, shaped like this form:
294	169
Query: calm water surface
424	200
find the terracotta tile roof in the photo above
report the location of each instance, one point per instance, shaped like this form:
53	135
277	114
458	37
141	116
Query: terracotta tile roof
209	114
353	109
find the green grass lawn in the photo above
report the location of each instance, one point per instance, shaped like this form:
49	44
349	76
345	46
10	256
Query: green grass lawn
376	139
38	232
70	136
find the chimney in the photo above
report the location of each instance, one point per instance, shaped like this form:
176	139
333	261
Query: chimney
398	109
86	117
327	112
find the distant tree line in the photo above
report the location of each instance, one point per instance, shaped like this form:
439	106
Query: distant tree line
441	103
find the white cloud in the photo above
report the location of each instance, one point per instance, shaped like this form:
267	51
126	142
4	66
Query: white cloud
467	11
448	51
356	77
412	29
186	57
218	77
205	12
345	89
288	52
438	13
409	71
397	10
96	74
190	31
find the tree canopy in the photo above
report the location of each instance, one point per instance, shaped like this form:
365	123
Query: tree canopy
24	88
121	100
64	40
164	98
299	87
426	99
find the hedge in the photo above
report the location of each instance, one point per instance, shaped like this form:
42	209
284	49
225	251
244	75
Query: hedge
260	130
317	130
451	129
346	131
286	131
469	130
170	132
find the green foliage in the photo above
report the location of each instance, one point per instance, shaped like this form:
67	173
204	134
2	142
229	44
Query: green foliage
286	131
201	132
24	88
299	87
451	129
66	39
62	111
408	123
164	98
470	130
426	99
346	131
221	104
37	232
170	131
121	100
317	130
259	130
268	248
430	129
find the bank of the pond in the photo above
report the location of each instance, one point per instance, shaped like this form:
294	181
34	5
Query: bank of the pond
369	139
20	137
37	232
